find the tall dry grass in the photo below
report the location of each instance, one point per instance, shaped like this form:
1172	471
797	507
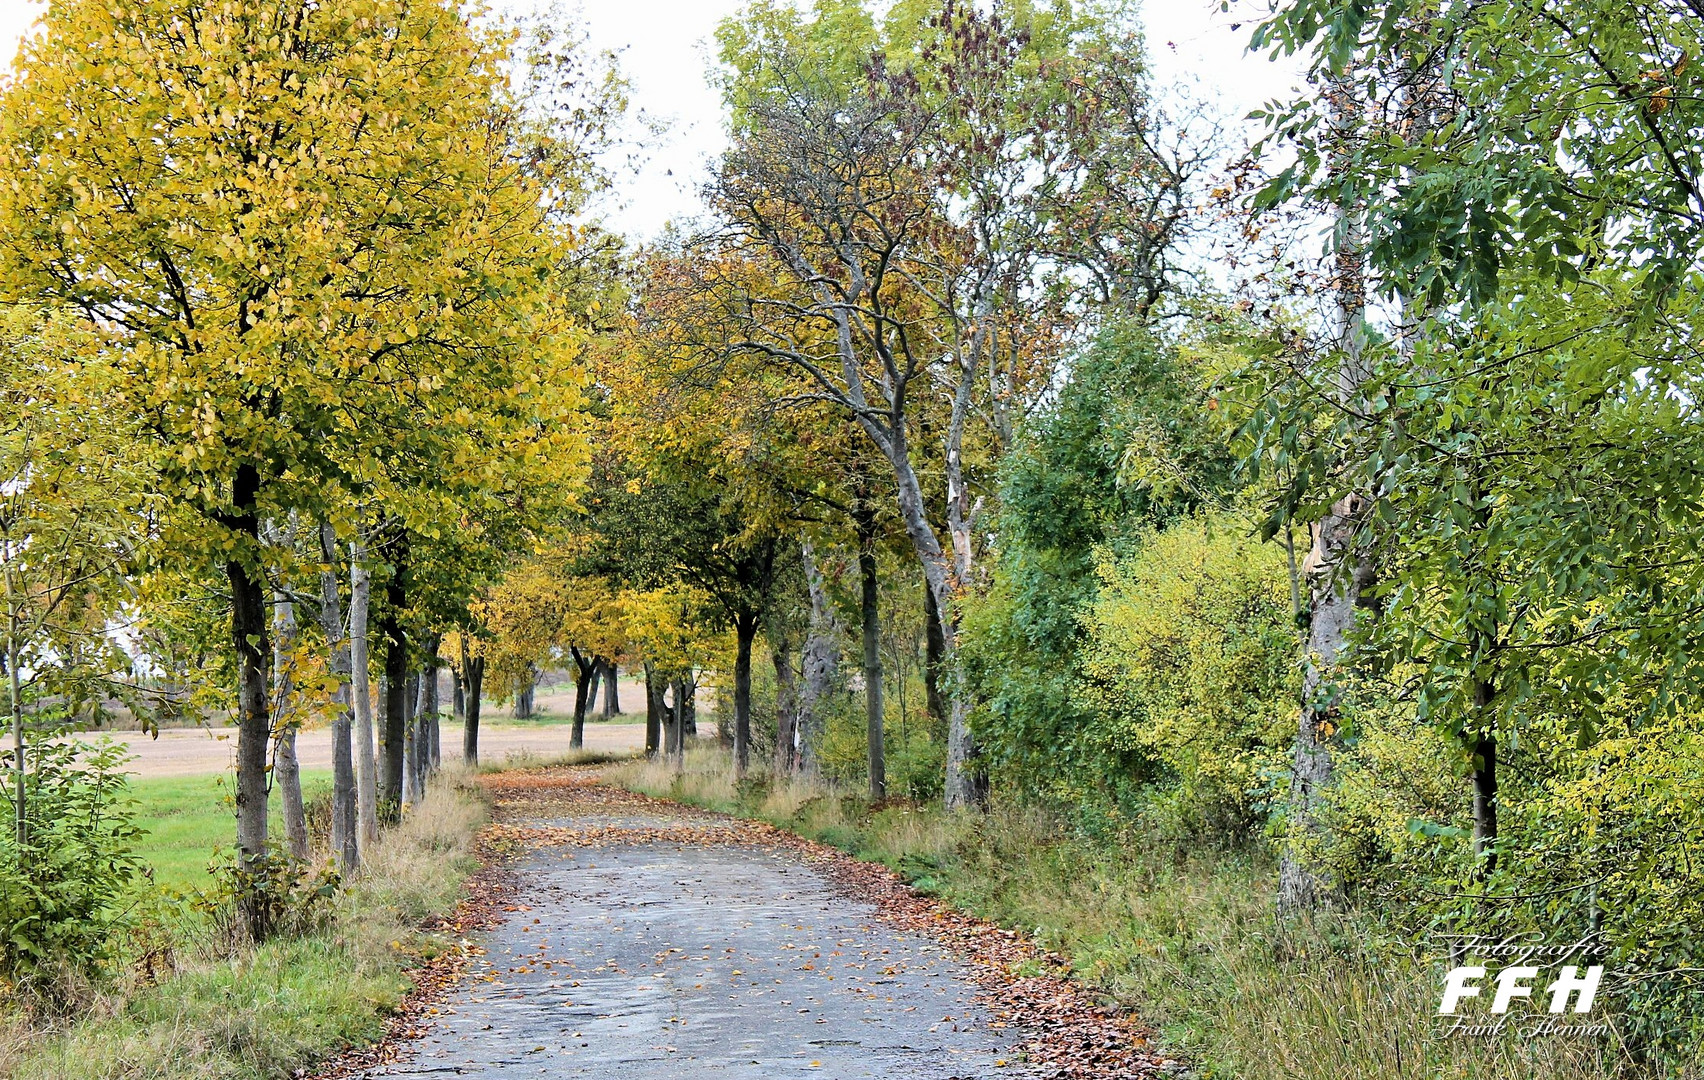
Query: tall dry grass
1192	944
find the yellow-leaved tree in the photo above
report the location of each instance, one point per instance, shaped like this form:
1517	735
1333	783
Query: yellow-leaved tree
305	231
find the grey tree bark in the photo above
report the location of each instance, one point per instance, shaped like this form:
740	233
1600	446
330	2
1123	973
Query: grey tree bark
689	704
653	710
1336	571
360	675
344	826
821	663
432	723
287	771
679	725
876	746
396	683
411	748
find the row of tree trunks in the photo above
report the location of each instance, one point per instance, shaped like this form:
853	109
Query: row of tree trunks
420	741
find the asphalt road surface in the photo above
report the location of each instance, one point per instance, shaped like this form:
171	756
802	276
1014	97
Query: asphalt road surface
658	950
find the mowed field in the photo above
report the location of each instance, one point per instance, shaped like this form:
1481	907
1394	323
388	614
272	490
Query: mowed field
184	782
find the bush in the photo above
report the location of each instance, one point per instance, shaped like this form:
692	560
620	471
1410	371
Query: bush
59	890
1192	665
285	895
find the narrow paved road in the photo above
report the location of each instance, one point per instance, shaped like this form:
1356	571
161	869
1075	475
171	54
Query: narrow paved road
653	943
643	939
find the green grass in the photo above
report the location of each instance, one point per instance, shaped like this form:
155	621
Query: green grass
188	819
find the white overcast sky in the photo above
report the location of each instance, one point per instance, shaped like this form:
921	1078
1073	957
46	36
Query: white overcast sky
665	45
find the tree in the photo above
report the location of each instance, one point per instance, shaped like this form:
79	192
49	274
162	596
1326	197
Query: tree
71	516
592	629
1130	442
1535	223
334	225
920	230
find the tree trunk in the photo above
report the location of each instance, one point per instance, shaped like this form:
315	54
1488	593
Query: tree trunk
1483	649
1337	574
934	648
821	664
524	696
286	769
786	706
653	711
865	519
679	725
360	675
690	681
254	718
20	800
396	697
1485	802
470	722
612	692
433	725
672	731
458	693
966	786
410	739
585	679
745	630
344	825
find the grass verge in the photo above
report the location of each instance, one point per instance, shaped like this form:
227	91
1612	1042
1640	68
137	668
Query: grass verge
188	820
186	1006
1189	942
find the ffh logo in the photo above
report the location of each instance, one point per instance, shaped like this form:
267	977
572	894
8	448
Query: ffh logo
1519	964
1512	983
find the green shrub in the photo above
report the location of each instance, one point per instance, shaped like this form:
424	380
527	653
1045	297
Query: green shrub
60	889
1191	665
